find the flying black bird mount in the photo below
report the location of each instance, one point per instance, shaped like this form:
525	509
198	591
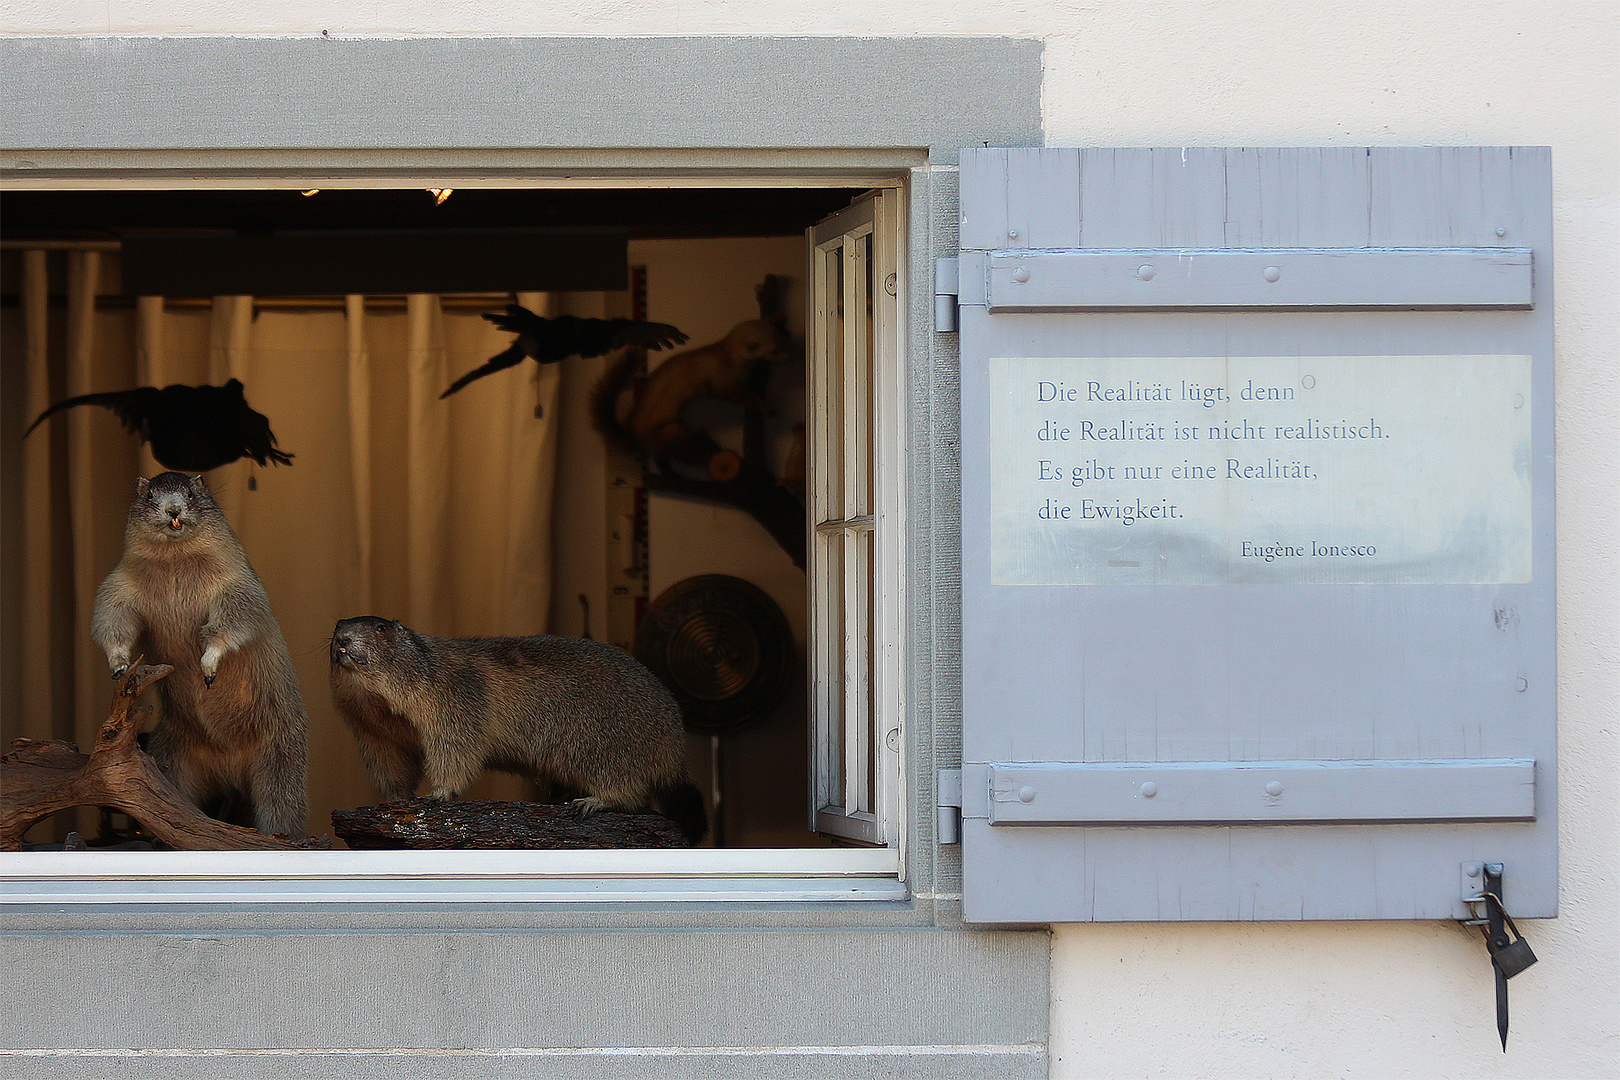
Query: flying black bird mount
548	340
189	428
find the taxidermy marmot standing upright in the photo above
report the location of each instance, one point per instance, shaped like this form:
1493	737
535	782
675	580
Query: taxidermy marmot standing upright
184	594
571	711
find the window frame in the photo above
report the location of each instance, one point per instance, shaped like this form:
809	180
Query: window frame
571	877
856	791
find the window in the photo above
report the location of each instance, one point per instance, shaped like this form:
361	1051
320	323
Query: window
852	769
853	326
747	120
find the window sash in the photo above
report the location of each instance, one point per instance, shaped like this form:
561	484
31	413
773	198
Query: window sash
853	351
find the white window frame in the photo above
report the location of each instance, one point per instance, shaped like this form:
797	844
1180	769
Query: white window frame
855	509
706	875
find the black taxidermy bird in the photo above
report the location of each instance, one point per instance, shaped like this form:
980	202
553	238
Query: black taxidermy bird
190	428
562	336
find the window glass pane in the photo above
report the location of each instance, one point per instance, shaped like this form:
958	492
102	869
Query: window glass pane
868	375
874	723
834	671
832	402
857	373
857	672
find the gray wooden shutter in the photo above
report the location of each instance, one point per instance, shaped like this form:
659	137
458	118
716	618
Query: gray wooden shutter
1257	502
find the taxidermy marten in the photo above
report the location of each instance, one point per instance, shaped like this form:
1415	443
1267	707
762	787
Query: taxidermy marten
721	370
184	595
569	711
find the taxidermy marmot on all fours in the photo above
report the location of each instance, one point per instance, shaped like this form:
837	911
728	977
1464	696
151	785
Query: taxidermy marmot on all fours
184	594
721	369
570	711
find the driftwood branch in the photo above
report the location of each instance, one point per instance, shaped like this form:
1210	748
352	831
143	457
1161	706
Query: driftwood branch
39	778
476	823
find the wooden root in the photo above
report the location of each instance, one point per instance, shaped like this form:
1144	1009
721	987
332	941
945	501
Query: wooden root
476	823
39	778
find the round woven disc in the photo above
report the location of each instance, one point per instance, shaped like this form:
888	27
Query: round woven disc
722	646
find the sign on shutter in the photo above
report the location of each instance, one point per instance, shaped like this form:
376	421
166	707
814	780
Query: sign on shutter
1257	505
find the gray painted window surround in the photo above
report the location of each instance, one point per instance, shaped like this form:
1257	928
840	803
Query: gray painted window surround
131	93
712	980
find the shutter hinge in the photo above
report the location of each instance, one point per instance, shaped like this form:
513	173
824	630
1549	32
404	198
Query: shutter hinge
946	290
948	807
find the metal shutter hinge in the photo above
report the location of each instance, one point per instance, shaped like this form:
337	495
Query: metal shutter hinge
946	287
948	807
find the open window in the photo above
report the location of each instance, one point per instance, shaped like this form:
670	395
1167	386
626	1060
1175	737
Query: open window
363	369
854	325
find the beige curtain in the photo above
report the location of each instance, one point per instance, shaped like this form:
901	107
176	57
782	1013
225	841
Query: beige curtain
45	712
69	541
398	504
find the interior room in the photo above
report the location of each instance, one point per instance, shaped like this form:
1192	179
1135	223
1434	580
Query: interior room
499	509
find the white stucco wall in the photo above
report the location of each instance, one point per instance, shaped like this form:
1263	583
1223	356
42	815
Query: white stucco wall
1365	1000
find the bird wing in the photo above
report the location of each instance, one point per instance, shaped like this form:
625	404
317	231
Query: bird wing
645	335
133	407
517	320
189	428
499	362
549	340
567	335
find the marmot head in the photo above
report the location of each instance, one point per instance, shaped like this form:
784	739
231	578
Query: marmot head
365	640
173	505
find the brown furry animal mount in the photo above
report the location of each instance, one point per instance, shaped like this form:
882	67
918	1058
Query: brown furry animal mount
477	823
722	369
438	711
233	721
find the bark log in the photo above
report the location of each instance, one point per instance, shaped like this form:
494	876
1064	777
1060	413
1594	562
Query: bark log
37	779
476	823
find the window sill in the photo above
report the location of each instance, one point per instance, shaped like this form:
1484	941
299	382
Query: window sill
452	877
